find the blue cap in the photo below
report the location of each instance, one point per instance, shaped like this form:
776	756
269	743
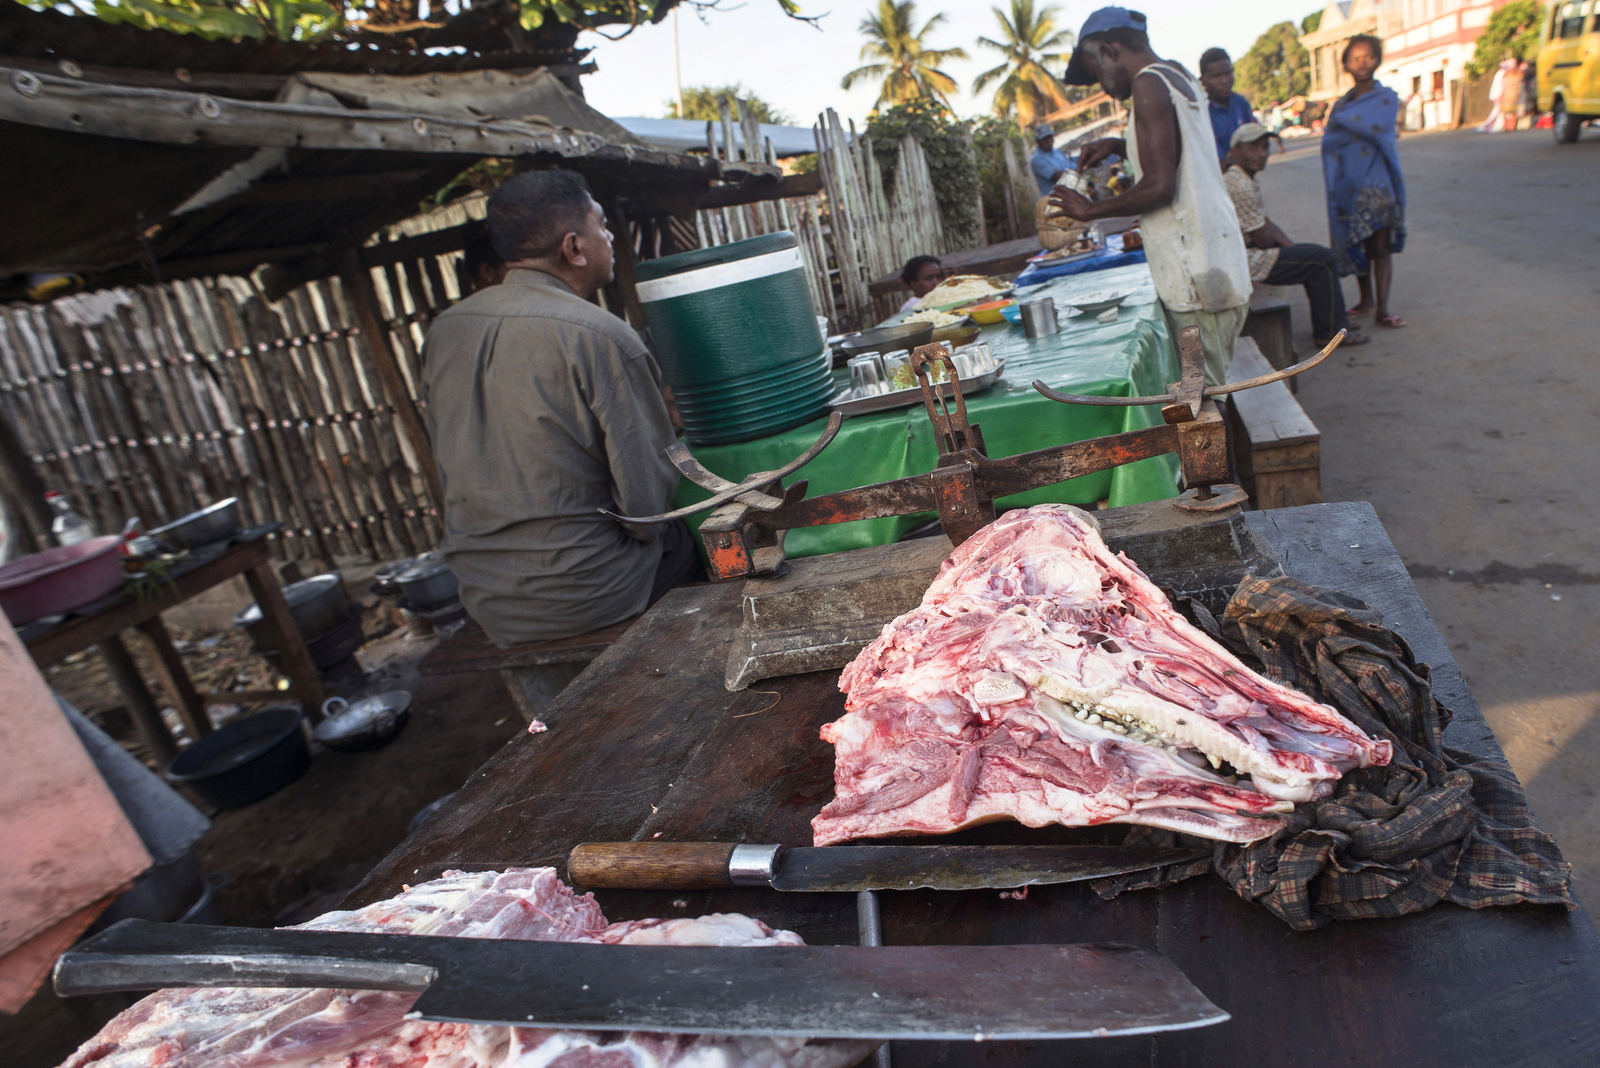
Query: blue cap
1043	130
1107	18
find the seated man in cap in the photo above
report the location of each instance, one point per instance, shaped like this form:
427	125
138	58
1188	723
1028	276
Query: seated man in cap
1048	164
1274	258
543	409
1191	235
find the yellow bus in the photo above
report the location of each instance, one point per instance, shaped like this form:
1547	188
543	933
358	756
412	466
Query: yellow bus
1569	65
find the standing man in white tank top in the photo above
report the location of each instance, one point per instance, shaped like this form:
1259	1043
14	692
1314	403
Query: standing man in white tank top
1191	233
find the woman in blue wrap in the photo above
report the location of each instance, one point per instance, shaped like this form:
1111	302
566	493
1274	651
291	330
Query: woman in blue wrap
1366	194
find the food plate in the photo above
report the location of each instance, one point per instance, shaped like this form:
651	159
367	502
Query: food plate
1094	303
1049	261
900	398
923	316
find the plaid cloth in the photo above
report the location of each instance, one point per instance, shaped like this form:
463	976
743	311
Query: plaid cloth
1435	824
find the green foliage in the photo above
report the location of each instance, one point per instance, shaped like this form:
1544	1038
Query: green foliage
806	164
591	13
988	137
700	102
944	142
1276	67
1027	38
1513	32
908	67
285	20
1311	23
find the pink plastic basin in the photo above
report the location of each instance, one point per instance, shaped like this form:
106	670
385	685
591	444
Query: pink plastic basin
59	580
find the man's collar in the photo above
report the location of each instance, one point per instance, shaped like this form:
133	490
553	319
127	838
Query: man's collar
533	276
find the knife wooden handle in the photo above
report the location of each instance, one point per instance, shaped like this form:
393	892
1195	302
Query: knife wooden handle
651	865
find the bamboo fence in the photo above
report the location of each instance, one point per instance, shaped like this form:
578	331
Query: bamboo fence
155	401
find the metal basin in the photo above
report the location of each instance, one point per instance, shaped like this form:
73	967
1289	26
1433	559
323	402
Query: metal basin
211	524
247	760
888	339
59	580
317	605
369	723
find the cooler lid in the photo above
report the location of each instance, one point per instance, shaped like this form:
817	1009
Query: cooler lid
708	257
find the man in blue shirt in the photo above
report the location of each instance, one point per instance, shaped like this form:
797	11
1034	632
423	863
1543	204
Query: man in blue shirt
1229	110
1048	164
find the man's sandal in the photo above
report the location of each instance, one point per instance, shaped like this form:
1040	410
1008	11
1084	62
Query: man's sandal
1351	337
1393	322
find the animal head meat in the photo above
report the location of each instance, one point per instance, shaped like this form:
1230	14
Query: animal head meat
1047	680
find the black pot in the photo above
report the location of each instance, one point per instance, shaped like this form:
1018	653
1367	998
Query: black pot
247	760
316	604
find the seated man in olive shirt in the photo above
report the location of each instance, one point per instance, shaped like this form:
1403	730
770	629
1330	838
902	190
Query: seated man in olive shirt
543	408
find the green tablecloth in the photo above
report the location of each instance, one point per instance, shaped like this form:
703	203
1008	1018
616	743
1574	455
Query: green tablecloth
1132	356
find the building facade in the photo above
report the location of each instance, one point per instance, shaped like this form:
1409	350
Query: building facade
1426	47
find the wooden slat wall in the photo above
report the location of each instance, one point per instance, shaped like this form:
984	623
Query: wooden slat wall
158	400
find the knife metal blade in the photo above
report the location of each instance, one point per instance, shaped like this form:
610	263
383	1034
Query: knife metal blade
893	992
713	865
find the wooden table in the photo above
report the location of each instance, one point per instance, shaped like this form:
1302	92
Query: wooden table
647	743
103	623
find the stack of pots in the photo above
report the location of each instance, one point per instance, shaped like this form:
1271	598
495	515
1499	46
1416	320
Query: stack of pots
322	613
737	338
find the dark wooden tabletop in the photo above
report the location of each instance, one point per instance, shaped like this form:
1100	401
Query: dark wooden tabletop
647	744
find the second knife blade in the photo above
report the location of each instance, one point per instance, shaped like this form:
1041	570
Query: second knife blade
960	867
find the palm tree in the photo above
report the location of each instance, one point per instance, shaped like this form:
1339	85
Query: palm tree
1029	39
909	69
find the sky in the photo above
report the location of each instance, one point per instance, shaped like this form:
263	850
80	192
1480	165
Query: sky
797	68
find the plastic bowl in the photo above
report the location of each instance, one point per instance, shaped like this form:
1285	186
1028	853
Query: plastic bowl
1012	314
59	580
247	760
990	313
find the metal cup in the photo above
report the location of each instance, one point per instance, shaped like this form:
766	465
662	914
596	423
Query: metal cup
867	377
1039	317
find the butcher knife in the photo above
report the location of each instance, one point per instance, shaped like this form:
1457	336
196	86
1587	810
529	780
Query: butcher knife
719	865
946	993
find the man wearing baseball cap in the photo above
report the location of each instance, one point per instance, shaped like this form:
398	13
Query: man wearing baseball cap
1048	163
1191	235
1274	257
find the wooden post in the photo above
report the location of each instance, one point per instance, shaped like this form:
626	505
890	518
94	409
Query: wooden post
357	282
141	706
291	646
623	260
175	678
20	486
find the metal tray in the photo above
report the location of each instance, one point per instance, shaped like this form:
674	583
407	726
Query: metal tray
901	398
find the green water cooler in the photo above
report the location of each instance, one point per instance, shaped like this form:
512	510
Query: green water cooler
737	338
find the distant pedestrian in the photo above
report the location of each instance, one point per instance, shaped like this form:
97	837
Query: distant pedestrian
1048	162
1275	258
1497	97
1366	193
1229	110
922	275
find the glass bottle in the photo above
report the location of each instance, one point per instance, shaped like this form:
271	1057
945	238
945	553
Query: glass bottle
67	526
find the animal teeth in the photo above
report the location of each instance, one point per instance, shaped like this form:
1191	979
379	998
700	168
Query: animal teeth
1081	714
1094	720
1216	762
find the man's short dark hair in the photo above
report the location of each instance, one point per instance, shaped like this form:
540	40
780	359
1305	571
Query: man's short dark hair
1366	39
914	266
1213	55
1121	36
531	214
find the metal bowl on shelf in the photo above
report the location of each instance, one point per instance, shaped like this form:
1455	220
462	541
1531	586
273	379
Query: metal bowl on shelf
211	524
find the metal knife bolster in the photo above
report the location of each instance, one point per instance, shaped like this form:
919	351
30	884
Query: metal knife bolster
754	865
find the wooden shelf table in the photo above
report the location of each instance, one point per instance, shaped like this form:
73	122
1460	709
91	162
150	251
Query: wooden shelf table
103	623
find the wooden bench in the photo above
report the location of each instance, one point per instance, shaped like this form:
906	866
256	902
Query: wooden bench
1271	324
534	673
1277	447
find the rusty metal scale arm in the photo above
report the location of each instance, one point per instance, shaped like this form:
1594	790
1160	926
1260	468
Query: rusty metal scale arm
744	534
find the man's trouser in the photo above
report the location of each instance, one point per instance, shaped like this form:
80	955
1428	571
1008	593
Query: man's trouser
1314	267
1218	331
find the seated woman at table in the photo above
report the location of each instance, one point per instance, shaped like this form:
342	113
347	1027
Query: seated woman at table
922	274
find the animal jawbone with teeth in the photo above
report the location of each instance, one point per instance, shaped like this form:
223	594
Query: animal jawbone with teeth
1045	680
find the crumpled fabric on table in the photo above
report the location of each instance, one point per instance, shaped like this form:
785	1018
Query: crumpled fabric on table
1435	825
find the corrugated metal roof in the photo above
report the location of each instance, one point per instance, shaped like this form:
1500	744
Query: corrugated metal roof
51	35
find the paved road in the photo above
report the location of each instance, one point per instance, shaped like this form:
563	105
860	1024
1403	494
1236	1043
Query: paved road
1472	431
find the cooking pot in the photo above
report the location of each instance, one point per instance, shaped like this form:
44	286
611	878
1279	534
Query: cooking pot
428	582
317	605
369	723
